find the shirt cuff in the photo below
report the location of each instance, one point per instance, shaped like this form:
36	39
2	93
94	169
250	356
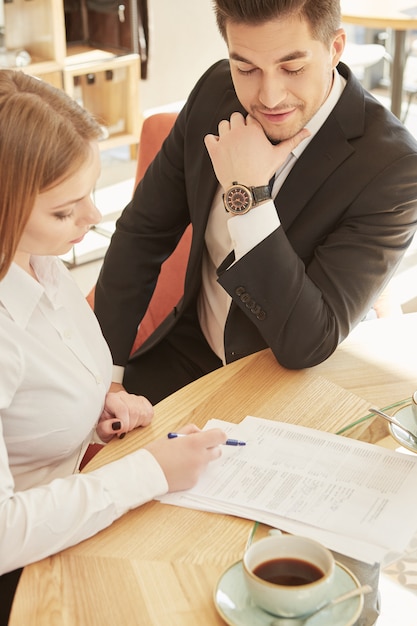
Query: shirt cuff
118	373
247	230
133	480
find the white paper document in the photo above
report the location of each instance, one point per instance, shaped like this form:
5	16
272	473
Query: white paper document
355	497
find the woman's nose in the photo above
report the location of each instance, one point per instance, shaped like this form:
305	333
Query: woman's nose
90	213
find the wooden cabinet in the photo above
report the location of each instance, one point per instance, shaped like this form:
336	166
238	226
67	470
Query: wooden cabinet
103	79
106	84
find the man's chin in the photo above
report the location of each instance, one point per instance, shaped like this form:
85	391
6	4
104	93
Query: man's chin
273	140
276	133
277	137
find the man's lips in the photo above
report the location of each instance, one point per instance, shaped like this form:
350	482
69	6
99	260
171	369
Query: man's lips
277	116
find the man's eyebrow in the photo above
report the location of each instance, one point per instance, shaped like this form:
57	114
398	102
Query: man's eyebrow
292	56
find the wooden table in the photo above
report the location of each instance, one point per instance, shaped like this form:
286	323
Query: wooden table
158	565
398	15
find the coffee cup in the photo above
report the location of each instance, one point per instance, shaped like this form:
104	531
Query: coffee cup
288	575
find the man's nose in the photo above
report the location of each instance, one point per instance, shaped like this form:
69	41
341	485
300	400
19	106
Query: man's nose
272	92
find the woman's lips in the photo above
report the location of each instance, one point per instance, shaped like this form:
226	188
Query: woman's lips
78	240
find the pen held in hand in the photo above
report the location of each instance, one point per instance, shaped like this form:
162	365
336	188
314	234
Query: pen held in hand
228	442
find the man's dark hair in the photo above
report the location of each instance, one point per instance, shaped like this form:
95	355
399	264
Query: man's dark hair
323	15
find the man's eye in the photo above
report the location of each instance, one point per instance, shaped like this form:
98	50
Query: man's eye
300	70
246	72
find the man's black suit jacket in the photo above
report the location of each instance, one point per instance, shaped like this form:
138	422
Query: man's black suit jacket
348	212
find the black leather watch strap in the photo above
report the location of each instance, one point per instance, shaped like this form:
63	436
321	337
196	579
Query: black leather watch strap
260	194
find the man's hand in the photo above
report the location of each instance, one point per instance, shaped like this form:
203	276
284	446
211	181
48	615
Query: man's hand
243	153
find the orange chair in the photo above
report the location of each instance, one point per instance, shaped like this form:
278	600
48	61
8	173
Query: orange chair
170	285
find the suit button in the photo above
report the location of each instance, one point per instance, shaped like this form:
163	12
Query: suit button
250	303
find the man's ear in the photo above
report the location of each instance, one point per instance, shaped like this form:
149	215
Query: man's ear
338	45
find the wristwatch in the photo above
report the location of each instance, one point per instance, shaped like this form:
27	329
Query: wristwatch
240	199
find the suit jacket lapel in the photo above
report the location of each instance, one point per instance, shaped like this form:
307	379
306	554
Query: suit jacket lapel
332	142
327	150
311	171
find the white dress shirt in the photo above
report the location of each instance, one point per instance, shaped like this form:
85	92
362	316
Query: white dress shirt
55	372
242	233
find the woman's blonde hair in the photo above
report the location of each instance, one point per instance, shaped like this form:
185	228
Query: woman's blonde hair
44	138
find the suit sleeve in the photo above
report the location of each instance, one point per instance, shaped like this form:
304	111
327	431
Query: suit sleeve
149	229
304	298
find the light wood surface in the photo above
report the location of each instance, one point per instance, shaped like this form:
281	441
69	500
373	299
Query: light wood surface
378	361
159	565
398	15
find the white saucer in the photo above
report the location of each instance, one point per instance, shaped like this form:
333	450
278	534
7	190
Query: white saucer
405	416
237	609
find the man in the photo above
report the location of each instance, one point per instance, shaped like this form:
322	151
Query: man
293	269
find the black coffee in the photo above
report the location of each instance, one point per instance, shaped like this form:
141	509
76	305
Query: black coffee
289	572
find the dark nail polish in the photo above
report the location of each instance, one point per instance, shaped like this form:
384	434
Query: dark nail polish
122	435
116	425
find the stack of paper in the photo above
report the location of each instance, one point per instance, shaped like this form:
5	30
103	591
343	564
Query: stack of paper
354	497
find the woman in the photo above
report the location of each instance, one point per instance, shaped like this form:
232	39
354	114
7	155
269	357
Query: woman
55	365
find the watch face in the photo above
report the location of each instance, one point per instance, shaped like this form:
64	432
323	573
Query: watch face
238	199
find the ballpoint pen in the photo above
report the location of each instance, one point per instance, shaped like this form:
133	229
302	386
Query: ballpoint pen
228	442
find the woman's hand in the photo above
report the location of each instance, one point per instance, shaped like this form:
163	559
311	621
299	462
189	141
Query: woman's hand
183	459
123	412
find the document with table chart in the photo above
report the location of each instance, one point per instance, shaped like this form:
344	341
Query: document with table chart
354	497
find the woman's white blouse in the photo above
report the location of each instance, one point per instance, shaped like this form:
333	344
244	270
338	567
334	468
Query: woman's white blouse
55	370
